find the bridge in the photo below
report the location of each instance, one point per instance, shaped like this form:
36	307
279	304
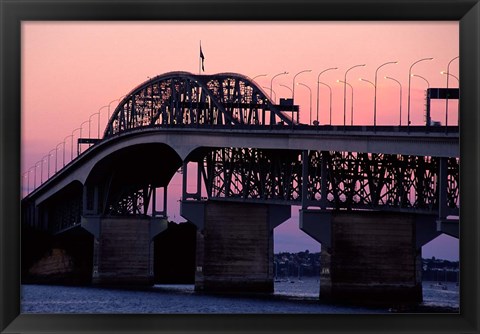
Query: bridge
371	195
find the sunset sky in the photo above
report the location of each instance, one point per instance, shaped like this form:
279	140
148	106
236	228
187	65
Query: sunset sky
72	69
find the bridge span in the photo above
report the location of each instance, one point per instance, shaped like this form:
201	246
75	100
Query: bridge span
371	195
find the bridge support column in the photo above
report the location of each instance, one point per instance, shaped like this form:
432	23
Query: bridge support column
234	244
123	248
367	257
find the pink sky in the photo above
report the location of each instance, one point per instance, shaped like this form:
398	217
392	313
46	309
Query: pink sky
71	69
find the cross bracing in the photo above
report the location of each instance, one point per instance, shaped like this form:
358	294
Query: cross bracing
248	149
181	98
338	180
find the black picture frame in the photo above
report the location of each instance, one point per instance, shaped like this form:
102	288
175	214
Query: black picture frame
14	11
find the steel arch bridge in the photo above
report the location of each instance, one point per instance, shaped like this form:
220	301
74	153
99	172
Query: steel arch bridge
181	98
243	170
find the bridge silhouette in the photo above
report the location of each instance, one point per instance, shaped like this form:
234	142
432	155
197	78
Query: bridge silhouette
371	195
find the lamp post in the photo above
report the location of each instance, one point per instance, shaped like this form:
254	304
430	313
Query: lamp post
287	87
34	171
111	103
450	74
345	93
419	76
260	75
310	90
374	87
293	91
409	77
375	95
41	168
90	121
28	180
400	85
49	155
98	120
446	100
22	183
64	141
24	176
330	89
351	120
56	152
318	87
271	82
428	86
80	136
35	176
272	92
71	144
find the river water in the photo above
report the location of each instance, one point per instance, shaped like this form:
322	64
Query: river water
290	296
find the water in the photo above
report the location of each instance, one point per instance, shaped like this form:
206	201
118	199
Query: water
296	297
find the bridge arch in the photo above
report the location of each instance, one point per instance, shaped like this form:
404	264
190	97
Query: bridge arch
122	173
182	98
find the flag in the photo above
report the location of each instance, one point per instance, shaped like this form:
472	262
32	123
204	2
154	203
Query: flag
202	57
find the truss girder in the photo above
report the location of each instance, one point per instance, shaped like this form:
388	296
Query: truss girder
128	201
351	180
181	98
65	214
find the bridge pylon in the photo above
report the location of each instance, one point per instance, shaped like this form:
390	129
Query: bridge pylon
234	244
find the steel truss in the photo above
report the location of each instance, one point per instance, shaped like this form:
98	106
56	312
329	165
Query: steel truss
181	98
129	201
64	215
338	180
333	180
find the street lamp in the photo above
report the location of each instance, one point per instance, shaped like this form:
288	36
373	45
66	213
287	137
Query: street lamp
351	120
41	168
35	176
375	96
409	77
287	88
345	93
111	103
271	83
318	86
28	180
428	86
24	175
260	75
330	89
272	92
446	100
419	76
293	91
400	85
310	90
80	136
56	152
64	141
446	73
71	144
34	171
374	86
49	155
90	121
446	107
98	121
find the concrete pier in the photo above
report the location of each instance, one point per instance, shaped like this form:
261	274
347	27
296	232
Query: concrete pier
234	245
367	257
123	249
